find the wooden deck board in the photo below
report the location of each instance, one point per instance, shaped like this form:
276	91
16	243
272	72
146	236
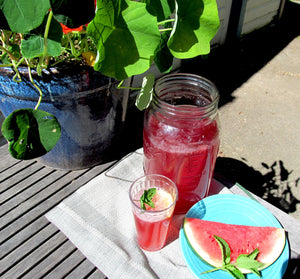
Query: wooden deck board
34	257
50	262
67	266
31	247
22	185
83	270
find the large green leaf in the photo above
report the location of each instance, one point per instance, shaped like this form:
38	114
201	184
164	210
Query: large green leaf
24	15
162	9
30	133
163	57
73	13
196	23
144	29
126	36
33	44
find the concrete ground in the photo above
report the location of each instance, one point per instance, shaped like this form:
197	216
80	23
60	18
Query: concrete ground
259	83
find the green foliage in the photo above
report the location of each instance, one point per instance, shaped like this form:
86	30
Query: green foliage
126	37
30	133
196	23
24	15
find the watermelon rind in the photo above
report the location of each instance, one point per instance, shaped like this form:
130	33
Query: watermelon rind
191	235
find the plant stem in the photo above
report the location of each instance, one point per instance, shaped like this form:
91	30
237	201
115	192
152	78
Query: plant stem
126	87
165	21
46	33
165	29
36	87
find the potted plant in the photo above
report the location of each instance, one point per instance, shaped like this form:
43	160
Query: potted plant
111	40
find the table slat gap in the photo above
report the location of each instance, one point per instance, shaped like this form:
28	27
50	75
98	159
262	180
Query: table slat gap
66	266
97	274
27	247
52	261
32	259
83	270
22	191
24	235
18	175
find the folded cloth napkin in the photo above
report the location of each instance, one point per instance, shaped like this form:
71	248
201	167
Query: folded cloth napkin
97	218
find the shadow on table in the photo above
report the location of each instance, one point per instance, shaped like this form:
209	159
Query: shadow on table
293	270
273	186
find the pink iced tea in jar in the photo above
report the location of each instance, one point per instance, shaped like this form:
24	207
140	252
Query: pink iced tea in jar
181	135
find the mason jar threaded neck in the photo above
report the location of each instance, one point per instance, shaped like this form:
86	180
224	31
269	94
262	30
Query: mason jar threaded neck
186	96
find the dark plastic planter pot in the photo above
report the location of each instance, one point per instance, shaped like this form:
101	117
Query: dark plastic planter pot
87	105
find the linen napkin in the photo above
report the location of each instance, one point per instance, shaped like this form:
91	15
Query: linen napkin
97	218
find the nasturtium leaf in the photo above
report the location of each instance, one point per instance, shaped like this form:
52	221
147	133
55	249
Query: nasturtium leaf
24	15
144	97
33	44
196	23
162	9
34	47
109	32
126	37
30	133
163	57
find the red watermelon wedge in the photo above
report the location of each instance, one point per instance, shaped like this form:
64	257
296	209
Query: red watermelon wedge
241	239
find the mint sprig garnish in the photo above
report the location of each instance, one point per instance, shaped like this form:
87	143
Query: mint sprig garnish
146	198
245	261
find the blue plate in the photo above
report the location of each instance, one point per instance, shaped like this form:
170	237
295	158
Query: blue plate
231	209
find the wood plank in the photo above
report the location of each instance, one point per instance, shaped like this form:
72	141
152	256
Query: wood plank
65	267
22	190
84	270
18	173
38	204
50	262
27	247
45	200
97	274
6	159
23	235
32	259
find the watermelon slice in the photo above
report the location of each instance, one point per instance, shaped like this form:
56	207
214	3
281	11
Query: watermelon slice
241	239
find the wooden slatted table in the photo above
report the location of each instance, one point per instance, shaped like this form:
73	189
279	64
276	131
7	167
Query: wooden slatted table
32	247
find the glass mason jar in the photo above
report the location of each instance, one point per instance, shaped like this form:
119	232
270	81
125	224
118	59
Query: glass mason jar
181	135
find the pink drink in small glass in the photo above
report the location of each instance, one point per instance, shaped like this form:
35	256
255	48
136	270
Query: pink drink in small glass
152	224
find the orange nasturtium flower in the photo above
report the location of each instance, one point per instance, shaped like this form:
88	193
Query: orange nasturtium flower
67	30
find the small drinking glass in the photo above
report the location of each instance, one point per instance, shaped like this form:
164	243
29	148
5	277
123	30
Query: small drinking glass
152	223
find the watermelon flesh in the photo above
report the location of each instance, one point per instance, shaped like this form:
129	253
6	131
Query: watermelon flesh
241	239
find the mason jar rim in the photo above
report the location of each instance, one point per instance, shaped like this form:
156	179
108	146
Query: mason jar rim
168	84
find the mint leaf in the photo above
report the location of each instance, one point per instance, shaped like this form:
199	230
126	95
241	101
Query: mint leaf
248	261
245	261
234	271
253	254
146	198
224	248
